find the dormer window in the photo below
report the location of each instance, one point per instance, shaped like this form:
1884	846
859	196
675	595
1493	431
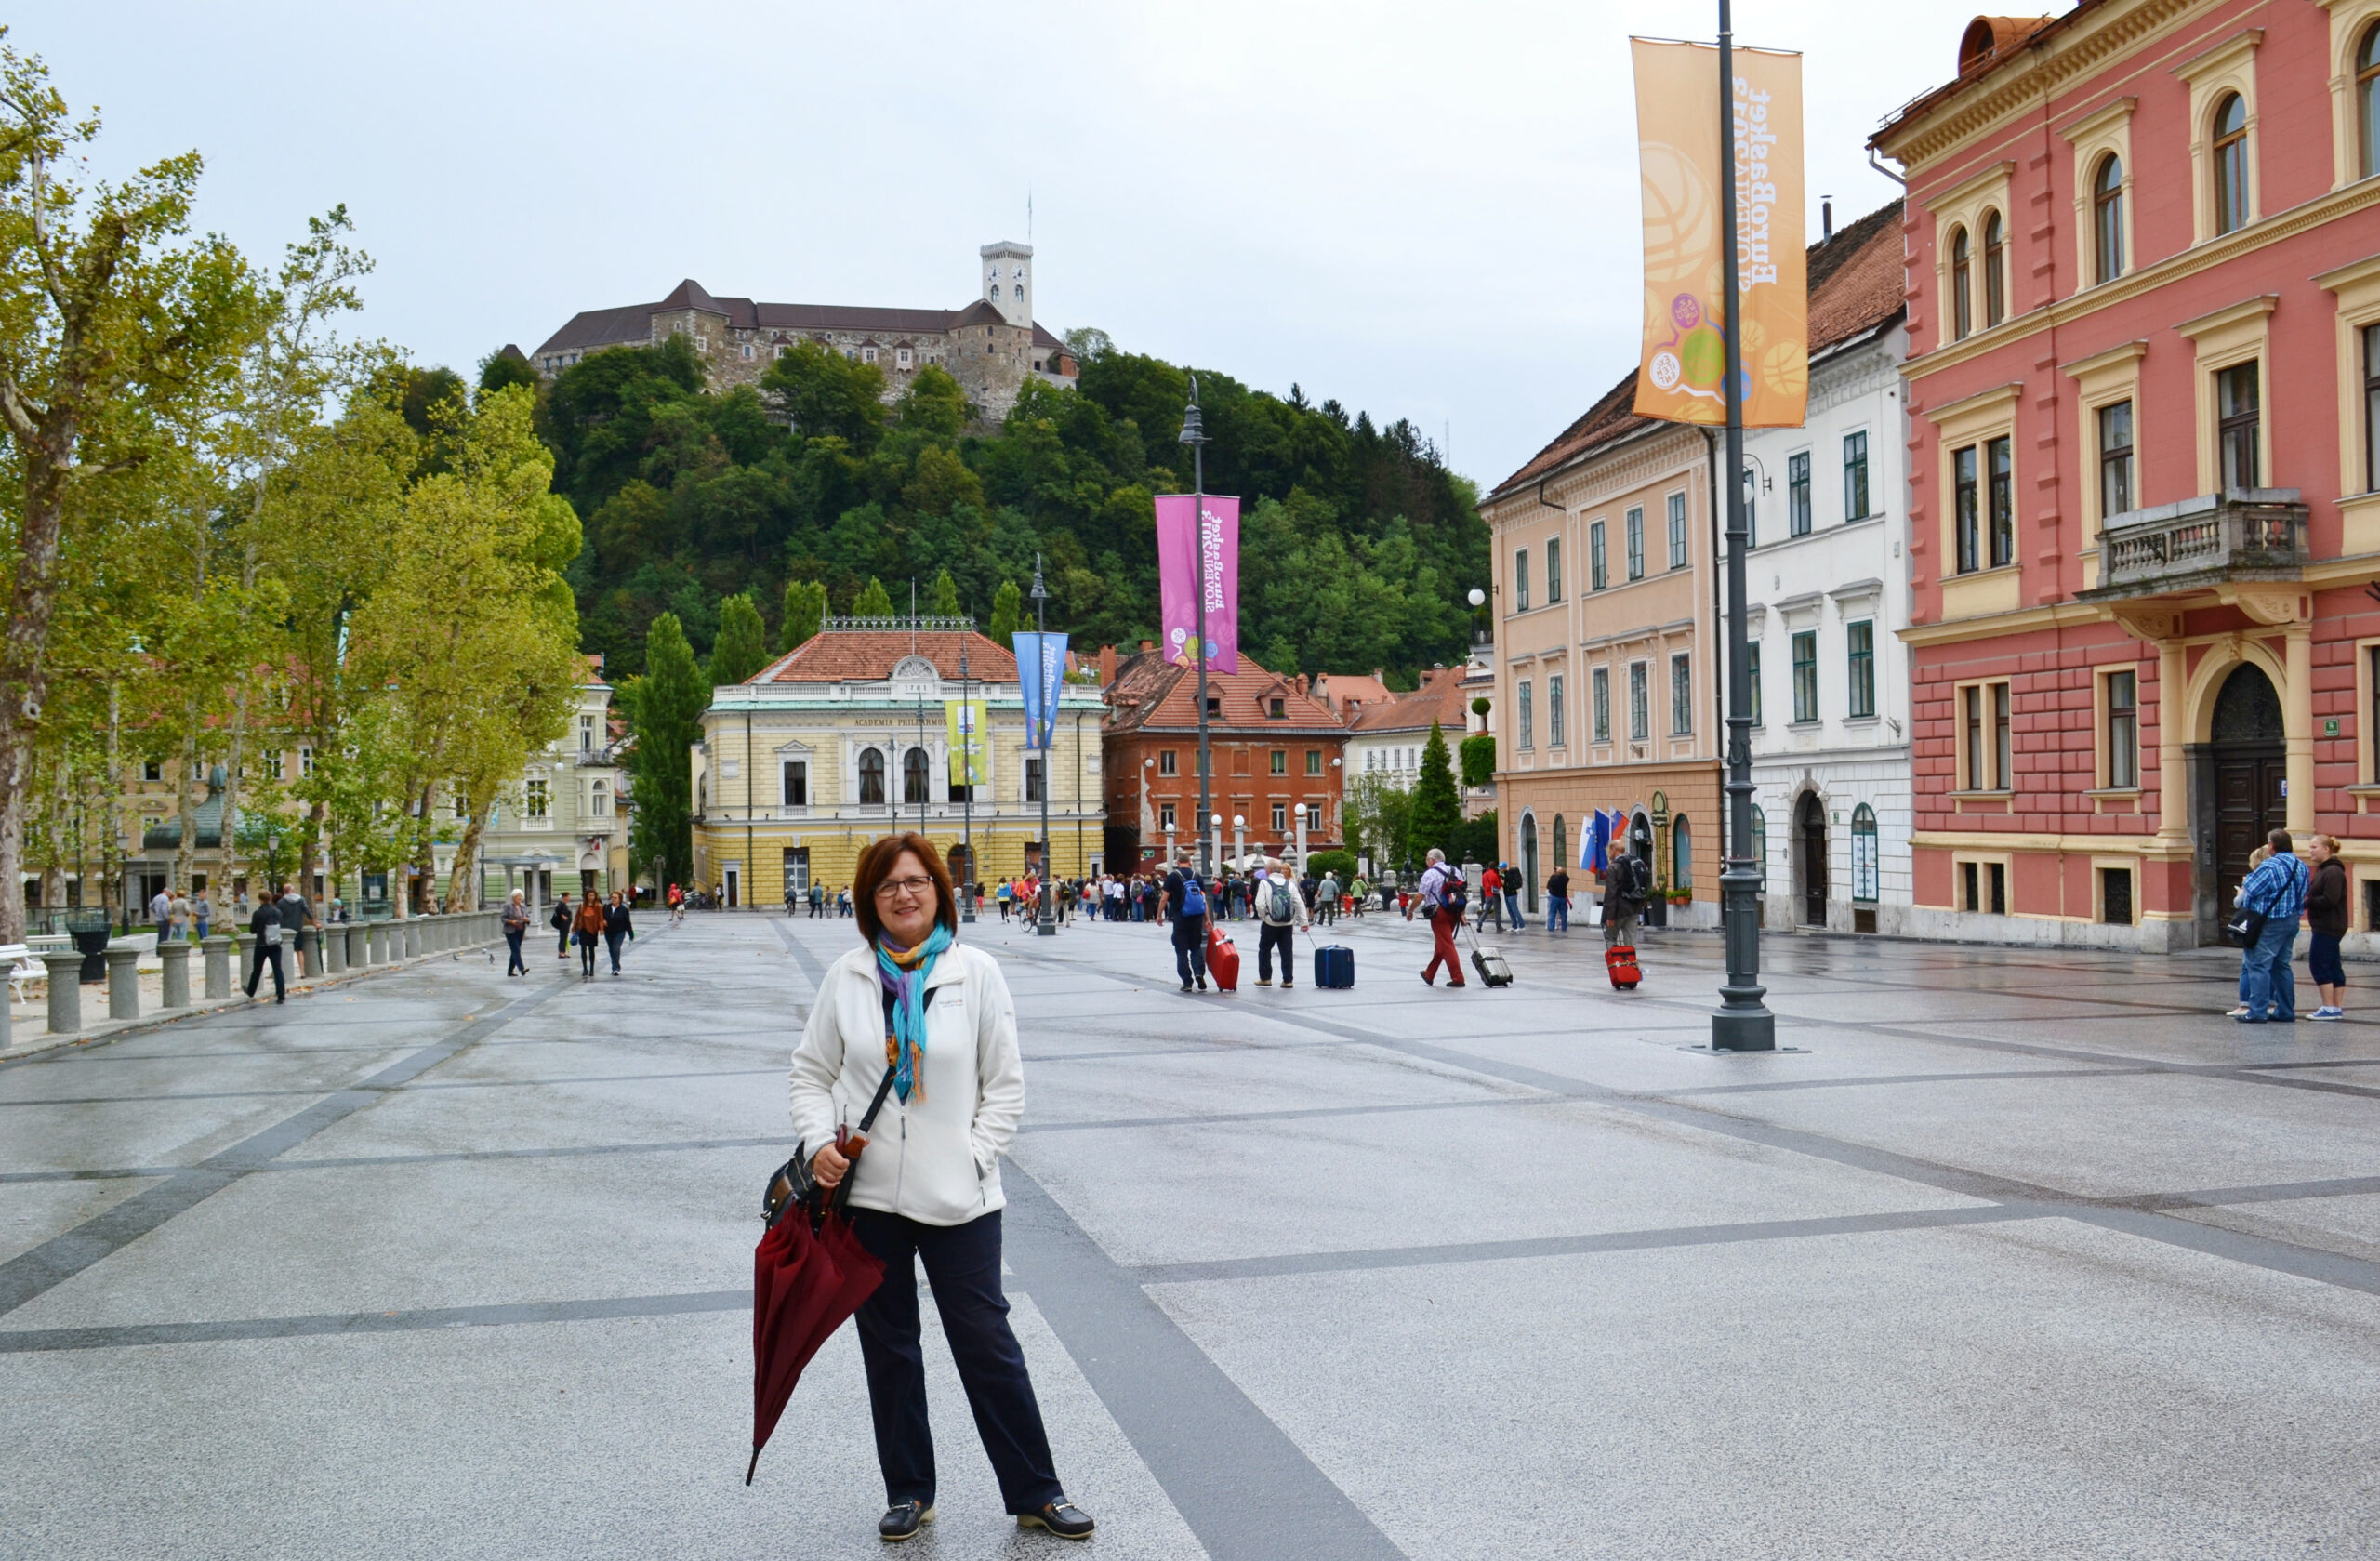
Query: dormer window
1214	705
1278	709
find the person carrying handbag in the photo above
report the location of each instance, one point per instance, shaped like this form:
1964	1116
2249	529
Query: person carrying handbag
559	923
937	1015
516	927
2265	925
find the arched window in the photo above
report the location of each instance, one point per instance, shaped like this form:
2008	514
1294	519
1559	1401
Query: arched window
1995	271
1681	854
1760	847
913	777
2107	218
1961	287
871	778
2367	102
2230	164
1561	844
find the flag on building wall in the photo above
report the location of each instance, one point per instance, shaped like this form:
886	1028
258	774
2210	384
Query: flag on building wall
1179	535
965	719
1041	674
1684	353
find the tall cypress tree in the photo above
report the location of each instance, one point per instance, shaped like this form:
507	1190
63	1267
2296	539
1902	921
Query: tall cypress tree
945	596
664	709
1437	812
742	647
1007	604
805	613
874	602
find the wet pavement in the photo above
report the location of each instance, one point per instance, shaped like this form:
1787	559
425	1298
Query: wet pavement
2024	1254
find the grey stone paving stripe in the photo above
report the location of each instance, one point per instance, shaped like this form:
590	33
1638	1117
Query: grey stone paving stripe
2259	1252
1573	1246
1293	1114
133	1335
68	1253
1245	1489
457	1084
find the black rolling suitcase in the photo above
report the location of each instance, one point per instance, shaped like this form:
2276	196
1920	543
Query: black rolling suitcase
1488	960
1334	965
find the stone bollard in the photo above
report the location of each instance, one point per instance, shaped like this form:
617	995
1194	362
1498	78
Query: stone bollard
176	958
65	990
413	937
219	965
359	946
335	949
244	958
375	943
123	983
442	934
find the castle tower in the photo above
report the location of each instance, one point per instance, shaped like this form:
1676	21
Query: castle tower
1007	280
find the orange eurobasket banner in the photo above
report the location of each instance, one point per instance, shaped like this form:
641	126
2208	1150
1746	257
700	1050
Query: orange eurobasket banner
1682	366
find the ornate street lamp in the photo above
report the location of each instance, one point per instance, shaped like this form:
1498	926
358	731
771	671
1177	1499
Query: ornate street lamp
1047	923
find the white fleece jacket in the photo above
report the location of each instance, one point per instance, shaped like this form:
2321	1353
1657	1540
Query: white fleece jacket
935	1159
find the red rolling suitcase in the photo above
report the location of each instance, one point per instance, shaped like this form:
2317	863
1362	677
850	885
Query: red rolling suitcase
1222	959
1621	962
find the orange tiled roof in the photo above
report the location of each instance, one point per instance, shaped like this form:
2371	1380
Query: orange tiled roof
1148	691
1439	699
837	656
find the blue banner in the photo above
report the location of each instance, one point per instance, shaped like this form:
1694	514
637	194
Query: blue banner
1040	675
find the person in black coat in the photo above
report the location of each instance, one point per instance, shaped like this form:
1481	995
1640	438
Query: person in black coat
559	923
619	928
267	926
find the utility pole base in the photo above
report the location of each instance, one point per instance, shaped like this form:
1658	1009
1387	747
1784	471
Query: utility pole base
1750	1030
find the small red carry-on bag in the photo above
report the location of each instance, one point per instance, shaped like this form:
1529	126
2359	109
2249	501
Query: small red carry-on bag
1222	960
1622	960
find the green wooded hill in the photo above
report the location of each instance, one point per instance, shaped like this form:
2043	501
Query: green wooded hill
1358	547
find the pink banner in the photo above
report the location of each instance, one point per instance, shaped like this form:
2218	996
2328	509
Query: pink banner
1177	564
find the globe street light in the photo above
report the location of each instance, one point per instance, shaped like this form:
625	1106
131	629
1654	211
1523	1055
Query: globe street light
1047	920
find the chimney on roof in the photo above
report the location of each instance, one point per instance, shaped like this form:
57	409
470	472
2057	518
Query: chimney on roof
1147	645
1825	217
1106	665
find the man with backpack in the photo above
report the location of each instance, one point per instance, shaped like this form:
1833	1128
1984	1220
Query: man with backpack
1185	899
1441	900
1281	910
1627	886
1491	899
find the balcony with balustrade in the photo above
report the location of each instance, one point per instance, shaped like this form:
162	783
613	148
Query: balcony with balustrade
2239	536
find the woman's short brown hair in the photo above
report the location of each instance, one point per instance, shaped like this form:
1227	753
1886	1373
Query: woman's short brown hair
876	865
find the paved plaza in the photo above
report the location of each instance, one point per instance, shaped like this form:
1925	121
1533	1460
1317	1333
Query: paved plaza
2024	1255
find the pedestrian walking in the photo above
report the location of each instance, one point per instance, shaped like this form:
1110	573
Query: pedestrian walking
789	897
929	1188
1441	902
1326	899
559	923
201	914
1280	910
1186	900
161	913
1627	886
817	902
1513	898
2326	916
516	927
587	929
1004	894
1557	900
296	917
266	924
620	927
2274	893
1491	899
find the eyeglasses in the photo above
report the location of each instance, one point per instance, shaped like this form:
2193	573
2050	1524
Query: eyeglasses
893	888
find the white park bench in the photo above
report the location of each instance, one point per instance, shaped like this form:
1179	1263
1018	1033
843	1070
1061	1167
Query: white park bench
22	968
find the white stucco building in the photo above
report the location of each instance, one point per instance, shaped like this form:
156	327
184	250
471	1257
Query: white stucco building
1828	594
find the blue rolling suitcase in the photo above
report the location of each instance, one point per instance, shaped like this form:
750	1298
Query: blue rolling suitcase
1334	965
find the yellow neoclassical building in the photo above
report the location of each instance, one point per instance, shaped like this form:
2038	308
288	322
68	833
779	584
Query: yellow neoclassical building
845	739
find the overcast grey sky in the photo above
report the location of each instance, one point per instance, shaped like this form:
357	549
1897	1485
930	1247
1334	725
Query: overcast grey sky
1423	211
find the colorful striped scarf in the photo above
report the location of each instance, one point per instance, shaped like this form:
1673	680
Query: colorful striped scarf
904	973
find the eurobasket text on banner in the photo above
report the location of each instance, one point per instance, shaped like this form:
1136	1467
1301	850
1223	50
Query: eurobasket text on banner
1179	537
965	719
1040	675
1684	354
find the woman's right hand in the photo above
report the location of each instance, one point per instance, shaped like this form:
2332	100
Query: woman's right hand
828	1166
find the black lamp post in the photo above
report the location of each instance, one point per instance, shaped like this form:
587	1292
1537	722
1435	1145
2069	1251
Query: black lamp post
1047	921
967	768
1193	433
1743	1023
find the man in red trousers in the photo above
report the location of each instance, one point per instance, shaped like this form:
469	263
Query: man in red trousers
1442	902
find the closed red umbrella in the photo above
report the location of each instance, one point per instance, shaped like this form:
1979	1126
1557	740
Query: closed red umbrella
809	1273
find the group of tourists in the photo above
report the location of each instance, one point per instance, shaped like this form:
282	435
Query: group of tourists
822	900
2279	887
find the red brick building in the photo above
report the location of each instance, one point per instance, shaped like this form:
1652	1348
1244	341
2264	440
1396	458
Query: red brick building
1273	746
2143	254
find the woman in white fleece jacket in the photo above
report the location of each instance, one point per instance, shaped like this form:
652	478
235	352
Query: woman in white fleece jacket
937	1016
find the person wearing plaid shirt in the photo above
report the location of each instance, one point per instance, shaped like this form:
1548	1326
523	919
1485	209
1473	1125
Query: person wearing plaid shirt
2277	889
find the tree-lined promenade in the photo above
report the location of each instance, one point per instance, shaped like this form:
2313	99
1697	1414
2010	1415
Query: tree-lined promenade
246	548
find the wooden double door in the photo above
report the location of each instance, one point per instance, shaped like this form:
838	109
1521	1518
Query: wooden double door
2248	803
